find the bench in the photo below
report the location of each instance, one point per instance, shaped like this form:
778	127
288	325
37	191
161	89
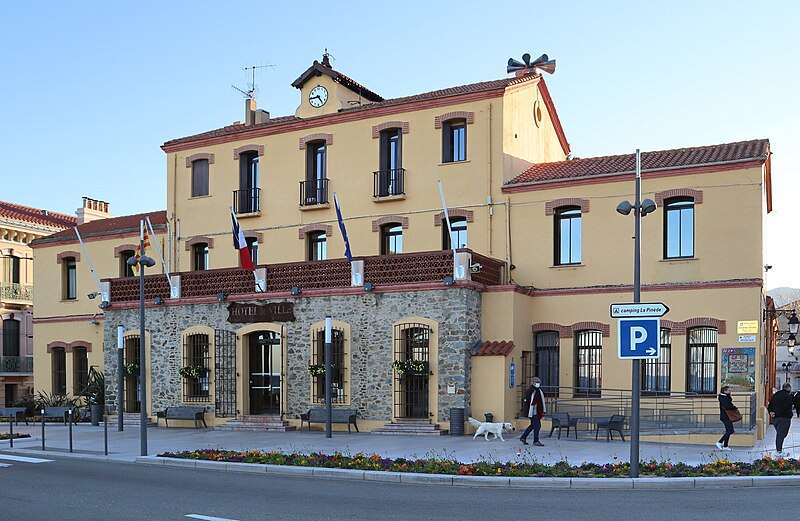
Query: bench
347	416
14	414
58	413
183	413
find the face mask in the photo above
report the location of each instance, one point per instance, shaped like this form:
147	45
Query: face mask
537	385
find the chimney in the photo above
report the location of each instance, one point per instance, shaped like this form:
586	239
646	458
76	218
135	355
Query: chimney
249	111
262	116
92	210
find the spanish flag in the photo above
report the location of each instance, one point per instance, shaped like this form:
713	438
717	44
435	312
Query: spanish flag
135	268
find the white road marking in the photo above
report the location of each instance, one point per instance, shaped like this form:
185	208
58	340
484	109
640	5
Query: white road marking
208	518
4	465
23	459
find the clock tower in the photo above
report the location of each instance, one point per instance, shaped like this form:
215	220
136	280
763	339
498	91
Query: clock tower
324	90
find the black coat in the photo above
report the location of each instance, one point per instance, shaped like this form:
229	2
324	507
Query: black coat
781	404
725	403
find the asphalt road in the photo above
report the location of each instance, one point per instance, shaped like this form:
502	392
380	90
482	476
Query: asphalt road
83	490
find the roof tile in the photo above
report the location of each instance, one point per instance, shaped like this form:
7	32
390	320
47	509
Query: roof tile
112	225
494	348
35	215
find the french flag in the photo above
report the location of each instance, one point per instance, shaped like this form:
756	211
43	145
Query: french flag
239	242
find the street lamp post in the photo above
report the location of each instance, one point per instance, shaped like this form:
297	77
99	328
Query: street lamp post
787	366
143	261
640	208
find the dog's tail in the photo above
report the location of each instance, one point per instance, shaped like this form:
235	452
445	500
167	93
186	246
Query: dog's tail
475	423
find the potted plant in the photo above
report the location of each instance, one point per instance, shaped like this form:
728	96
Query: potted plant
316	369
132	369
95	393
406	367
193	371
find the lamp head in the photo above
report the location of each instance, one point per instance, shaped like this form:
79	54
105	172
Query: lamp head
624	208
647	206
791	342
158	301
448	280
794	323
221	296
105	304
296	291
368	286
144	260
132	261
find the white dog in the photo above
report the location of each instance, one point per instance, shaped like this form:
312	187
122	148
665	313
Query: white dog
490	428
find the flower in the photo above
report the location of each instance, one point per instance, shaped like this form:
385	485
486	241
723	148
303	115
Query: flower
193	371
316	369
410	366
132	369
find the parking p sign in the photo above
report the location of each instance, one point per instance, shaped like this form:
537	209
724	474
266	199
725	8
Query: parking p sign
639	338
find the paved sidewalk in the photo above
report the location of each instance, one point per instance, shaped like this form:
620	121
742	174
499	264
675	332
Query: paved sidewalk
125	446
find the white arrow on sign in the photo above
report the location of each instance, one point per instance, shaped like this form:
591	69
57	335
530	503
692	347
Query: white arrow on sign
651	351
641	309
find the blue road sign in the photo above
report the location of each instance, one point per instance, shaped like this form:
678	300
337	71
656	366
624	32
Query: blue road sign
639	338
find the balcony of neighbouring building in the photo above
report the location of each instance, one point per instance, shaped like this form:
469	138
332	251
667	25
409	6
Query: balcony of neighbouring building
16	364
379	271
247	201
12	292
314	192
388	183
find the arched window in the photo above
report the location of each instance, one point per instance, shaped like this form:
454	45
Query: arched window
59	368
317	246
315	188
10	337
656	371
69	278
568	231
199	177
389	178
124	269
196	368
701	367
339	366
454	140
546	360
679	228
588	362
80	370
457	233
252	246
391	239
247	197
200	256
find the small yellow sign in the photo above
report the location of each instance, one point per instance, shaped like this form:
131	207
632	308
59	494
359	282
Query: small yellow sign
747	327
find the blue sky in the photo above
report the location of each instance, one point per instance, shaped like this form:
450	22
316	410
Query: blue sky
90	90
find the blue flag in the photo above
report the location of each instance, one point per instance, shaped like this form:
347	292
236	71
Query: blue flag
343	229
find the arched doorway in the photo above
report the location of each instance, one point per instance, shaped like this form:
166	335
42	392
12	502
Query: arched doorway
264	371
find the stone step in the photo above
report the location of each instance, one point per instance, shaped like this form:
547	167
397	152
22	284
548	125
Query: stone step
382	432
132	419
257	423
410	428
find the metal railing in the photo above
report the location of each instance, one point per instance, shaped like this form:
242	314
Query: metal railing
672	412
15	291
16	364
314	192
247	200
388	182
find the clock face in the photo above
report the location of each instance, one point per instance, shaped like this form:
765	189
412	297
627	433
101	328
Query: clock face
318	96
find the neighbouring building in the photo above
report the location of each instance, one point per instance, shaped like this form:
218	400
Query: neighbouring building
19	226
539	256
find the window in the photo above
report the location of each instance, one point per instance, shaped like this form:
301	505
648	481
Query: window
59	368
252	245
679	228
338	366
317	246
11	270
390	176
70	282
391	239
316	186
124	269
199	177
454	141
196	368
702	367
457	235
247	197
546	360
80	370
10	337
200	256
567	236
656	371
588	362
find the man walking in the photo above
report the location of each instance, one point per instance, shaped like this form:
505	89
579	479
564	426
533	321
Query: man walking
534	400
780	410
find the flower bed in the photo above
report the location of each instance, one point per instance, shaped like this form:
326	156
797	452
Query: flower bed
360	461
5	436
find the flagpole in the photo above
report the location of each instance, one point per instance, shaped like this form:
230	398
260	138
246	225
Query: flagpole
236	230
160	256
447	218
91	268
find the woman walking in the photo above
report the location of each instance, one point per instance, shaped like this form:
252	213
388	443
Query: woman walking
725	404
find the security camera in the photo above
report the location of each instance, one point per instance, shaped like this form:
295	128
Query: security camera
93	294
767	267
475	268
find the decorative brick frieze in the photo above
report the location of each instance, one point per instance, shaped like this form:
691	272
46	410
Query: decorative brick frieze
311	228
377	129
248	148
403	221
197	240
697	195
453	212
68	255
469	117
327	138
210	157
563	331
605	329
124	247
551	206
69	347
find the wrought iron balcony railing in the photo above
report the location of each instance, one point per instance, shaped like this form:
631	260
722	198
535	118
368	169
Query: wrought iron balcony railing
314	192
247	201
388	182
16	364
14	291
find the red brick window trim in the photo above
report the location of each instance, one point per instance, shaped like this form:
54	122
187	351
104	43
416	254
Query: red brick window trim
327	138
311	228
203	155
69	347
697	195
720	325
254	235
198	240
605	329
551	206
453	212
403	221
68	255
377	129
124	247
247	148
563	331
458	114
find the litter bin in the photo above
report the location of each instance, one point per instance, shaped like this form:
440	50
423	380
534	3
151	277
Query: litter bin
489	417
457	421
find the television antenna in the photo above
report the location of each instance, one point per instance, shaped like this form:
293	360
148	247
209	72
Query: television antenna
252	89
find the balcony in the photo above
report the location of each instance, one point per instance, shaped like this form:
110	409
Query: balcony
247	201
16	292
16	364
380	270
314	192
388	183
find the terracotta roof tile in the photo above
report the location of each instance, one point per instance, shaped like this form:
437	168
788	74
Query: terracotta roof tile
35	215
112	225
494	348
663	159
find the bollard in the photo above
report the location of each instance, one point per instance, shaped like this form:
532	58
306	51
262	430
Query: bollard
11	433
105	432
69	411
42	429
